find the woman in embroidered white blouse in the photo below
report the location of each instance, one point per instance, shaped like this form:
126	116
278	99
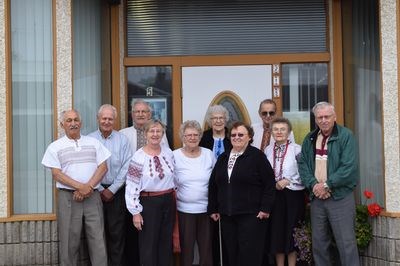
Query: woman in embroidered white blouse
149	197
289	206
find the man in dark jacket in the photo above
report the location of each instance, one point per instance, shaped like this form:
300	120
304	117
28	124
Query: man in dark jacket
329	169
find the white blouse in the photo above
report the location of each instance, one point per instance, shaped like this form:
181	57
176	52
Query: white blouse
191	178
289	165
148	173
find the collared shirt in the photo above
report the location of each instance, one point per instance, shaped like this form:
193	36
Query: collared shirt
118	163
321	158
289	166
140	137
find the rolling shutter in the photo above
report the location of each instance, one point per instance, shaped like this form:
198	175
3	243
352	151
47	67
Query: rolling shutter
221	27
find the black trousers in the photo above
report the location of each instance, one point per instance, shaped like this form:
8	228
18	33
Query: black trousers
244	238
155	239
195	227
114	225
131	251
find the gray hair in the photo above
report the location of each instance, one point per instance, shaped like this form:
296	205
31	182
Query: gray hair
151	123
107	106
216	109
62	115
282	120
322	105
135	102
190	124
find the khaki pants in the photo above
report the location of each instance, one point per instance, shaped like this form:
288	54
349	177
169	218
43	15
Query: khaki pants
71	217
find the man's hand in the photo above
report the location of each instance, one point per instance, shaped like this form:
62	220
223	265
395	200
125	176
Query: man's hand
77	196
106	195
320	192
85	190
138	221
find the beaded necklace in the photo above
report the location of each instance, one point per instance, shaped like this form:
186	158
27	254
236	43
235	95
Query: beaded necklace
276	157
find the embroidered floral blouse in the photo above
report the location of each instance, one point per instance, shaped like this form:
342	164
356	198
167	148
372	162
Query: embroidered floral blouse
148	173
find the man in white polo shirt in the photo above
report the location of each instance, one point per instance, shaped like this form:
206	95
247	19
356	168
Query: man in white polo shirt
78	164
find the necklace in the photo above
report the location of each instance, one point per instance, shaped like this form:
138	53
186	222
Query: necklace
280	157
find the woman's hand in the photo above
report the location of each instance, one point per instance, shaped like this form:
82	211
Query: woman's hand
215	216
138	221
281	184
263	215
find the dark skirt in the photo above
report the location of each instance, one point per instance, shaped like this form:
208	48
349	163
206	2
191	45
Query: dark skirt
288	211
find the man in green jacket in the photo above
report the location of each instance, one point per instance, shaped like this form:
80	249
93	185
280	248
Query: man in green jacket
329	169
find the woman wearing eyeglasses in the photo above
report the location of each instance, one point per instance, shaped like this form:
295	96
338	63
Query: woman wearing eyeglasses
193	166
149	196
241	194
216	138
289	206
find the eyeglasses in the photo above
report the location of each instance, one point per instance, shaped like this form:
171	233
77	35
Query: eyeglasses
281	129
137	112
155	131
218	118
194	136
323	117
272	113
240	135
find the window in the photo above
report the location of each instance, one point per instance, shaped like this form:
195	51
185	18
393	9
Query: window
91	59
303	85
32	104
363	92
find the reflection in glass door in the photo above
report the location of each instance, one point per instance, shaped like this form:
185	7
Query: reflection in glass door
154	85
303	85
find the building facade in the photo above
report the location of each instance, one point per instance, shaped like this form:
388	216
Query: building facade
182	56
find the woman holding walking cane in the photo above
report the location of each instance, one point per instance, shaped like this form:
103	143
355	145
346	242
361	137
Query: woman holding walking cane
241	195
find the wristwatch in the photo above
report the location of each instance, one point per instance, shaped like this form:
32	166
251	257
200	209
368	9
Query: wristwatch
326	187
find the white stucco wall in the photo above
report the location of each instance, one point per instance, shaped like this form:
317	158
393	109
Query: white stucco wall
390	99
3	130
63	65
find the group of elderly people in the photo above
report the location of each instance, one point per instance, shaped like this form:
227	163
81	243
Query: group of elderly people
235	192
217	174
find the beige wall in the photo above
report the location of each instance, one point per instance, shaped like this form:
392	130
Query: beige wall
3	137
390	99
63	79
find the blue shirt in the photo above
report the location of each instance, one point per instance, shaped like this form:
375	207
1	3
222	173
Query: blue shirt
118	163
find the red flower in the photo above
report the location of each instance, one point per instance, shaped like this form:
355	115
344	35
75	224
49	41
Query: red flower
374	209
368	194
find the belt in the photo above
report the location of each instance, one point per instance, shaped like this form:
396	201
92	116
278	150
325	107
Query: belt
156	193
70	190
66	189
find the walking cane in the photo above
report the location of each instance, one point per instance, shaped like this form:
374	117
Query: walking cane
220	240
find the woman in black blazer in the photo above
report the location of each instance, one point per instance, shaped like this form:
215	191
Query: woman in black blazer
241	194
